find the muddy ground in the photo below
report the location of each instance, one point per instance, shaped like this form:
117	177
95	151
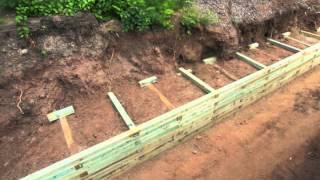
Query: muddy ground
77	60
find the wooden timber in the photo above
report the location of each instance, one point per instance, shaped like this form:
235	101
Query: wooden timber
198	82
284	46
112	157
298	41
310	34
250	61
122	112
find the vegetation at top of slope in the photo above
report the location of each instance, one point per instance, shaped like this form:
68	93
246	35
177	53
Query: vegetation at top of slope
135	15
194	15
8	4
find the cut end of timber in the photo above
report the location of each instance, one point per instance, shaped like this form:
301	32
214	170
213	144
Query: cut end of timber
286	34
318	30
211	60
254	45
189	70
134	131
148	81
61	113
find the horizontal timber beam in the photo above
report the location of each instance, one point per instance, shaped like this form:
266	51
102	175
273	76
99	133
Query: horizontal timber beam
284	46
310	34
124	115
198	82
250	61
287	36
116	155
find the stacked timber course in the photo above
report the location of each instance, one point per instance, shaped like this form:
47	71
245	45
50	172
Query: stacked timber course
114	156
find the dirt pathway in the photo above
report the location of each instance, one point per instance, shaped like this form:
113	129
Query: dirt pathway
276	138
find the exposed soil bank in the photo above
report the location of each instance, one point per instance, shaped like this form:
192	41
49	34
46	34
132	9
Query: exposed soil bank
76	60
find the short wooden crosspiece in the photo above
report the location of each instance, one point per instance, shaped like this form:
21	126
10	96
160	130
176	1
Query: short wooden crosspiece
62	116
149	83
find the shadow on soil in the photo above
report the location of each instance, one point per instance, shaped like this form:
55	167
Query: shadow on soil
307	169
305	163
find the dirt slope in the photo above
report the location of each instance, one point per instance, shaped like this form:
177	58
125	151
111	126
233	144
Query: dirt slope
276	138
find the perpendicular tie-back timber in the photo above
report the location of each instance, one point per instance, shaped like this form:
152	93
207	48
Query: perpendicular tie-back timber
313	35
120	109
250	61
198	82
287	35
284	46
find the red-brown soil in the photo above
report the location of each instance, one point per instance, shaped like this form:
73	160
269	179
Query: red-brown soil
269	55
276	138
210	75
37	144
77	60
237	67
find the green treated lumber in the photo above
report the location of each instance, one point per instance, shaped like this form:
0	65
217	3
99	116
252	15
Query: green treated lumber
204	124
254	45
250	61
284	46
124	115
273	71
113	156
148	81
264	86
310	34
210	60
198	82
61	113
287	35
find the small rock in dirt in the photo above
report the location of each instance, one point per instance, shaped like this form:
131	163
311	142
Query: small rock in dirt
198	137
42	95
40	129
6	164
23	51
195	152
33	140
10	139
156	51
312	155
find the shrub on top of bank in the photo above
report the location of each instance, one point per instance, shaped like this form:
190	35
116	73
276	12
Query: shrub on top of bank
135	15
8	4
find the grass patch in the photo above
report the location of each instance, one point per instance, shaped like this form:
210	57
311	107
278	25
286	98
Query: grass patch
2	21
194	15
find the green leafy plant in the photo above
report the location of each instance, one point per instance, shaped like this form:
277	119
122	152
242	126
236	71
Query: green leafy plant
135	15
24	31
194	15
8	4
